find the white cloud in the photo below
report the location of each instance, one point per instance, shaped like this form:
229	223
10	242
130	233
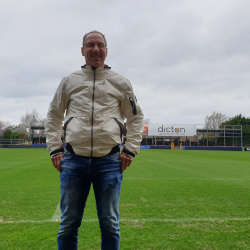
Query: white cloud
185	59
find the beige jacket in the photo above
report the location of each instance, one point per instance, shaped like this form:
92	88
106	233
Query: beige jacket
96	103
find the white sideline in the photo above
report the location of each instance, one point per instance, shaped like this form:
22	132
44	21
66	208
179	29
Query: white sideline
57	215
140	220
24	162
214	179
14	162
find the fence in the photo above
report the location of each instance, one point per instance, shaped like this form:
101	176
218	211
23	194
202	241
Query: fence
11	141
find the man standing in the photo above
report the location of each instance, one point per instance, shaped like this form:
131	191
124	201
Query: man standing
96	100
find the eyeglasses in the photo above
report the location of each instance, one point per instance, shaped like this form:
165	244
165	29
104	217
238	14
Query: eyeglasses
92	45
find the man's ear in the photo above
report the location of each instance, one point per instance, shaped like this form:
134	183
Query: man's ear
82	50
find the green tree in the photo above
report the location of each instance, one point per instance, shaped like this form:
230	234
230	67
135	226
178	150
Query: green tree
19	135
245	122
238	120
15	135
7	134
23	135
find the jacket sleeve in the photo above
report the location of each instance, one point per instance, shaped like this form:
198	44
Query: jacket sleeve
132	111
55	117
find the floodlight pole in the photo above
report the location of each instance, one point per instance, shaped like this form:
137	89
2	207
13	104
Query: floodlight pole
207	135
241	135
224	137
233	137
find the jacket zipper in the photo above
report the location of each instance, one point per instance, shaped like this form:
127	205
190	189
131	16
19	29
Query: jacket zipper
92	118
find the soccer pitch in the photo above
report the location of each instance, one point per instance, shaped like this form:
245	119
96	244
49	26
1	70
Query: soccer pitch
170	199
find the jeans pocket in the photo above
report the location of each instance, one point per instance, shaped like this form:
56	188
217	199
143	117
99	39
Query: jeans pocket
67	155
113	157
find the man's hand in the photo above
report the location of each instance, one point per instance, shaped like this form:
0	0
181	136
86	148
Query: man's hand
56	160
126	161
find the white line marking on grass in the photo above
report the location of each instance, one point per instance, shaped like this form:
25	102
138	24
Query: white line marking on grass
57	215
17	162
206	179
26	221
43	162
14	162
142	220
187	219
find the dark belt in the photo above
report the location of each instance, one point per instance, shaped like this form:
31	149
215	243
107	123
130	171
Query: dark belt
114	150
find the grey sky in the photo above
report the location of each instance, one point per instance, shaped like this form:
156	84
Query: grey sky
185	59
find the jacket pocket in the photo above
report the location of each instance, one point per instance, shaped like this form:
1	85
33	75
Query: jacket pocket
121	127
77	131
110	134
65	127
132	102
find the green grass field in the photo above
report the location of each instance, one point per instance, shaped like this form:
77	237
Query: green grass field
170	200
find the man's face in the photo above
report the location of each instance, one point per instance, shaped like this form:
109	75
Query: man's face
92	50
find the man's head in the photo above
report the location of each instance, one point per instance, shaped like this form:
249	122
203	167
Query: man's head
94	49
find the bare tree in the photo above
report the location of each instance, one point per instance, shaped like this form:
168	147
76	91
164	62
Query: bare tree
42	123
146	120
30	119
215	120
3	126
21	126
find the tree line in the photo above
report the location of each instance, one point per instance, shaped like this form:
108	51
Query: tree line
214	121
28	119
218	120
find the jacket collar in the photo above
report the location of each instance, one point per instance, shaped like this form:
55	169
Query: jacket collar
93	68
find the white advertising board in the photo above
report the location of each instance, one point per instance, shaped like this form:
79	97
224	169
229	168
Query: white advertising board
171	129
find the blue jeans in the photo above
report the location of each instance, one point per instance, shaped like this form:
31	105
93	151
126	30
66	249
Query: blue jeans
78	172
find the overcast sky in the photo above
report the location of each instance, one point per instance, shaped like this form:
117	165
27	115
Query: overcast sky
184	58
